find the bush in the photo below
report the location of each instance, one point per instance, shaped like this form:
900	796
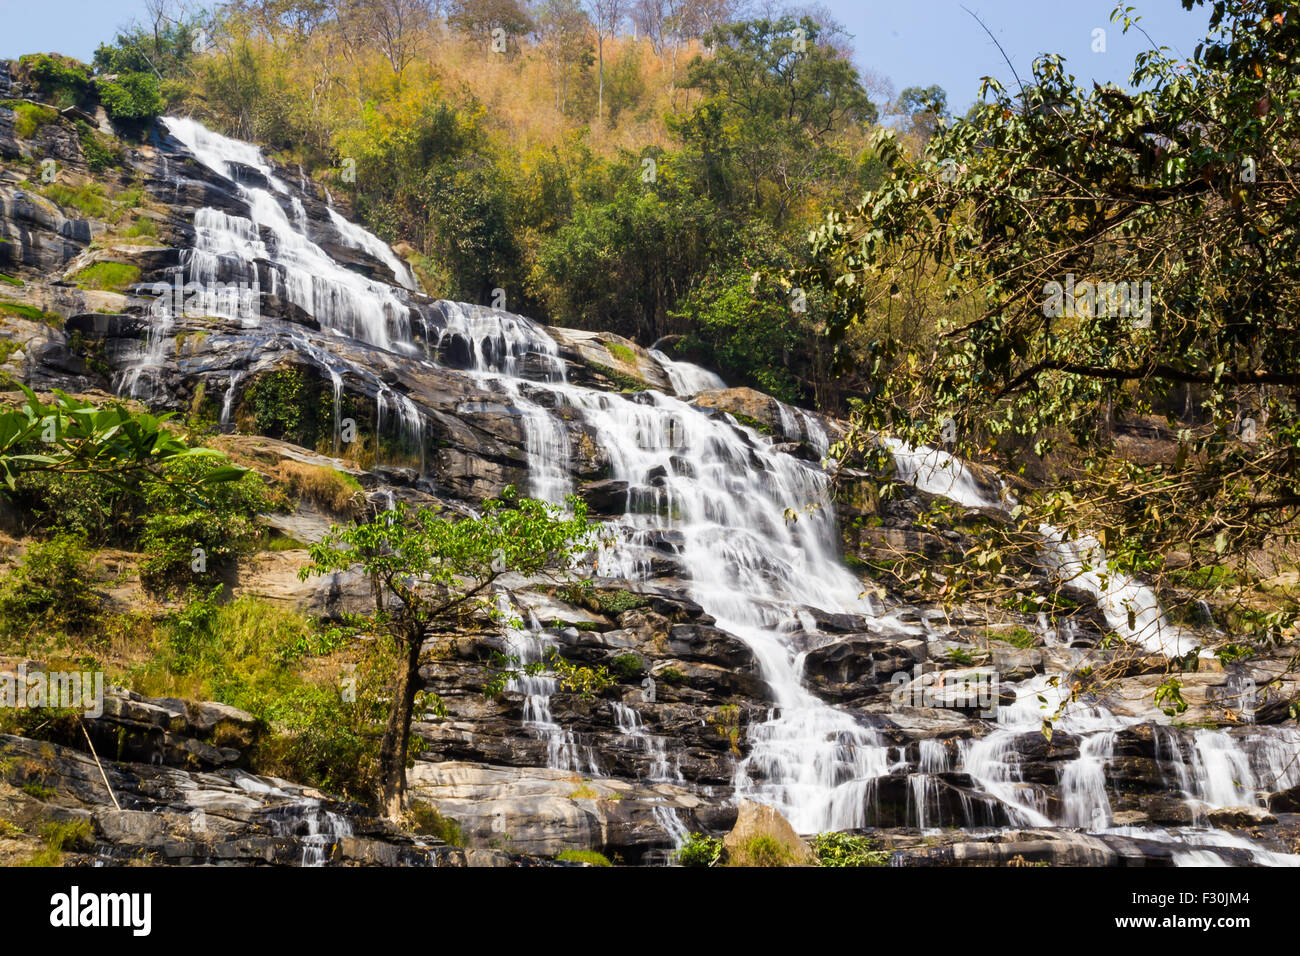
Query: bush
287	404
424	818
590	857
699	850
186	536
627	666
62	79
52	591
616	602
845	849
133	98
100	151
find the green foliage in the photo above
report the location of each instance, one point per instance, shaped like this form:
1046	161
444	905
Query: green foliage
424	818
627	666
167	48
109	276
76	835
74	437
31	313
578	679
749	333
764	131
287	404
101	152
622	352
699	850
59	78
30	117
89	200
1017	636
440	573
268	661
846	849
616	602
132	98
187	535
52	591
590	857
1037	357
671	676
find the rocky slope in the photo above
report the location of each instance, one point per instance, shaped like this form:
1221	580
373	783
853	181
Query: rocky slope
434	402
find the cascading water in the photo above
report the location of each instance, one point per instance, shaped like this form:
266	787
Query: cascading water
231	246
758	544
757	530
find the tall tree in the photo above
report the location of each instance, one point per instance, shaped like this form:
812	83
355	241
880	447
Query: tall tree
606	16
1104	251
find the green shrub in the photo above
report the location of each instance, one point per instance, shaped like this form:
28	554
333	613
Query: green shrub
590	857
627	666
424	818
100	151
671	676
52	591
58	77
616	602
699	850
845	849
287	404
133	97
29	117
188	537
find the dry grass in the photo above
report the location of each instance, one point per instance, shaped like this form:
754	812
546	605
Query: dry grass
328	489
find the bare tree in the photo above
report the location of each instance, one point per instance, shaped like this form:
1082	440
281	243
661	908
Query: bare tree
562	32
396	27
606	15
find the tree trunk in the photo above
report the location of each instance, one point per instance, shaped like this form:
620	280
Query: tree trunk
397	735
600	78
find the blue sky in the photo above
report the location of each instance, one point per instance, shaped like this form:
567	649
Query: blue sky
912	42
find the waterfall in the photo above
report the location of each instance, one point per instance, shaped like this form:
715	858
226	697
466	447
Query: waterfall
685	378
336	297
757	529
759	544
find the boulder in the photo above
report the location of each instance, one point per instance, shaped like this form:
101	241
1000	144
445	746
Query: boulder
763	837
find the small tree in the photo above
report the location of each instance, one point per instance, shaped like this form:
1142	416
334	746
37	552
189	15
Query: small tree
432	574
